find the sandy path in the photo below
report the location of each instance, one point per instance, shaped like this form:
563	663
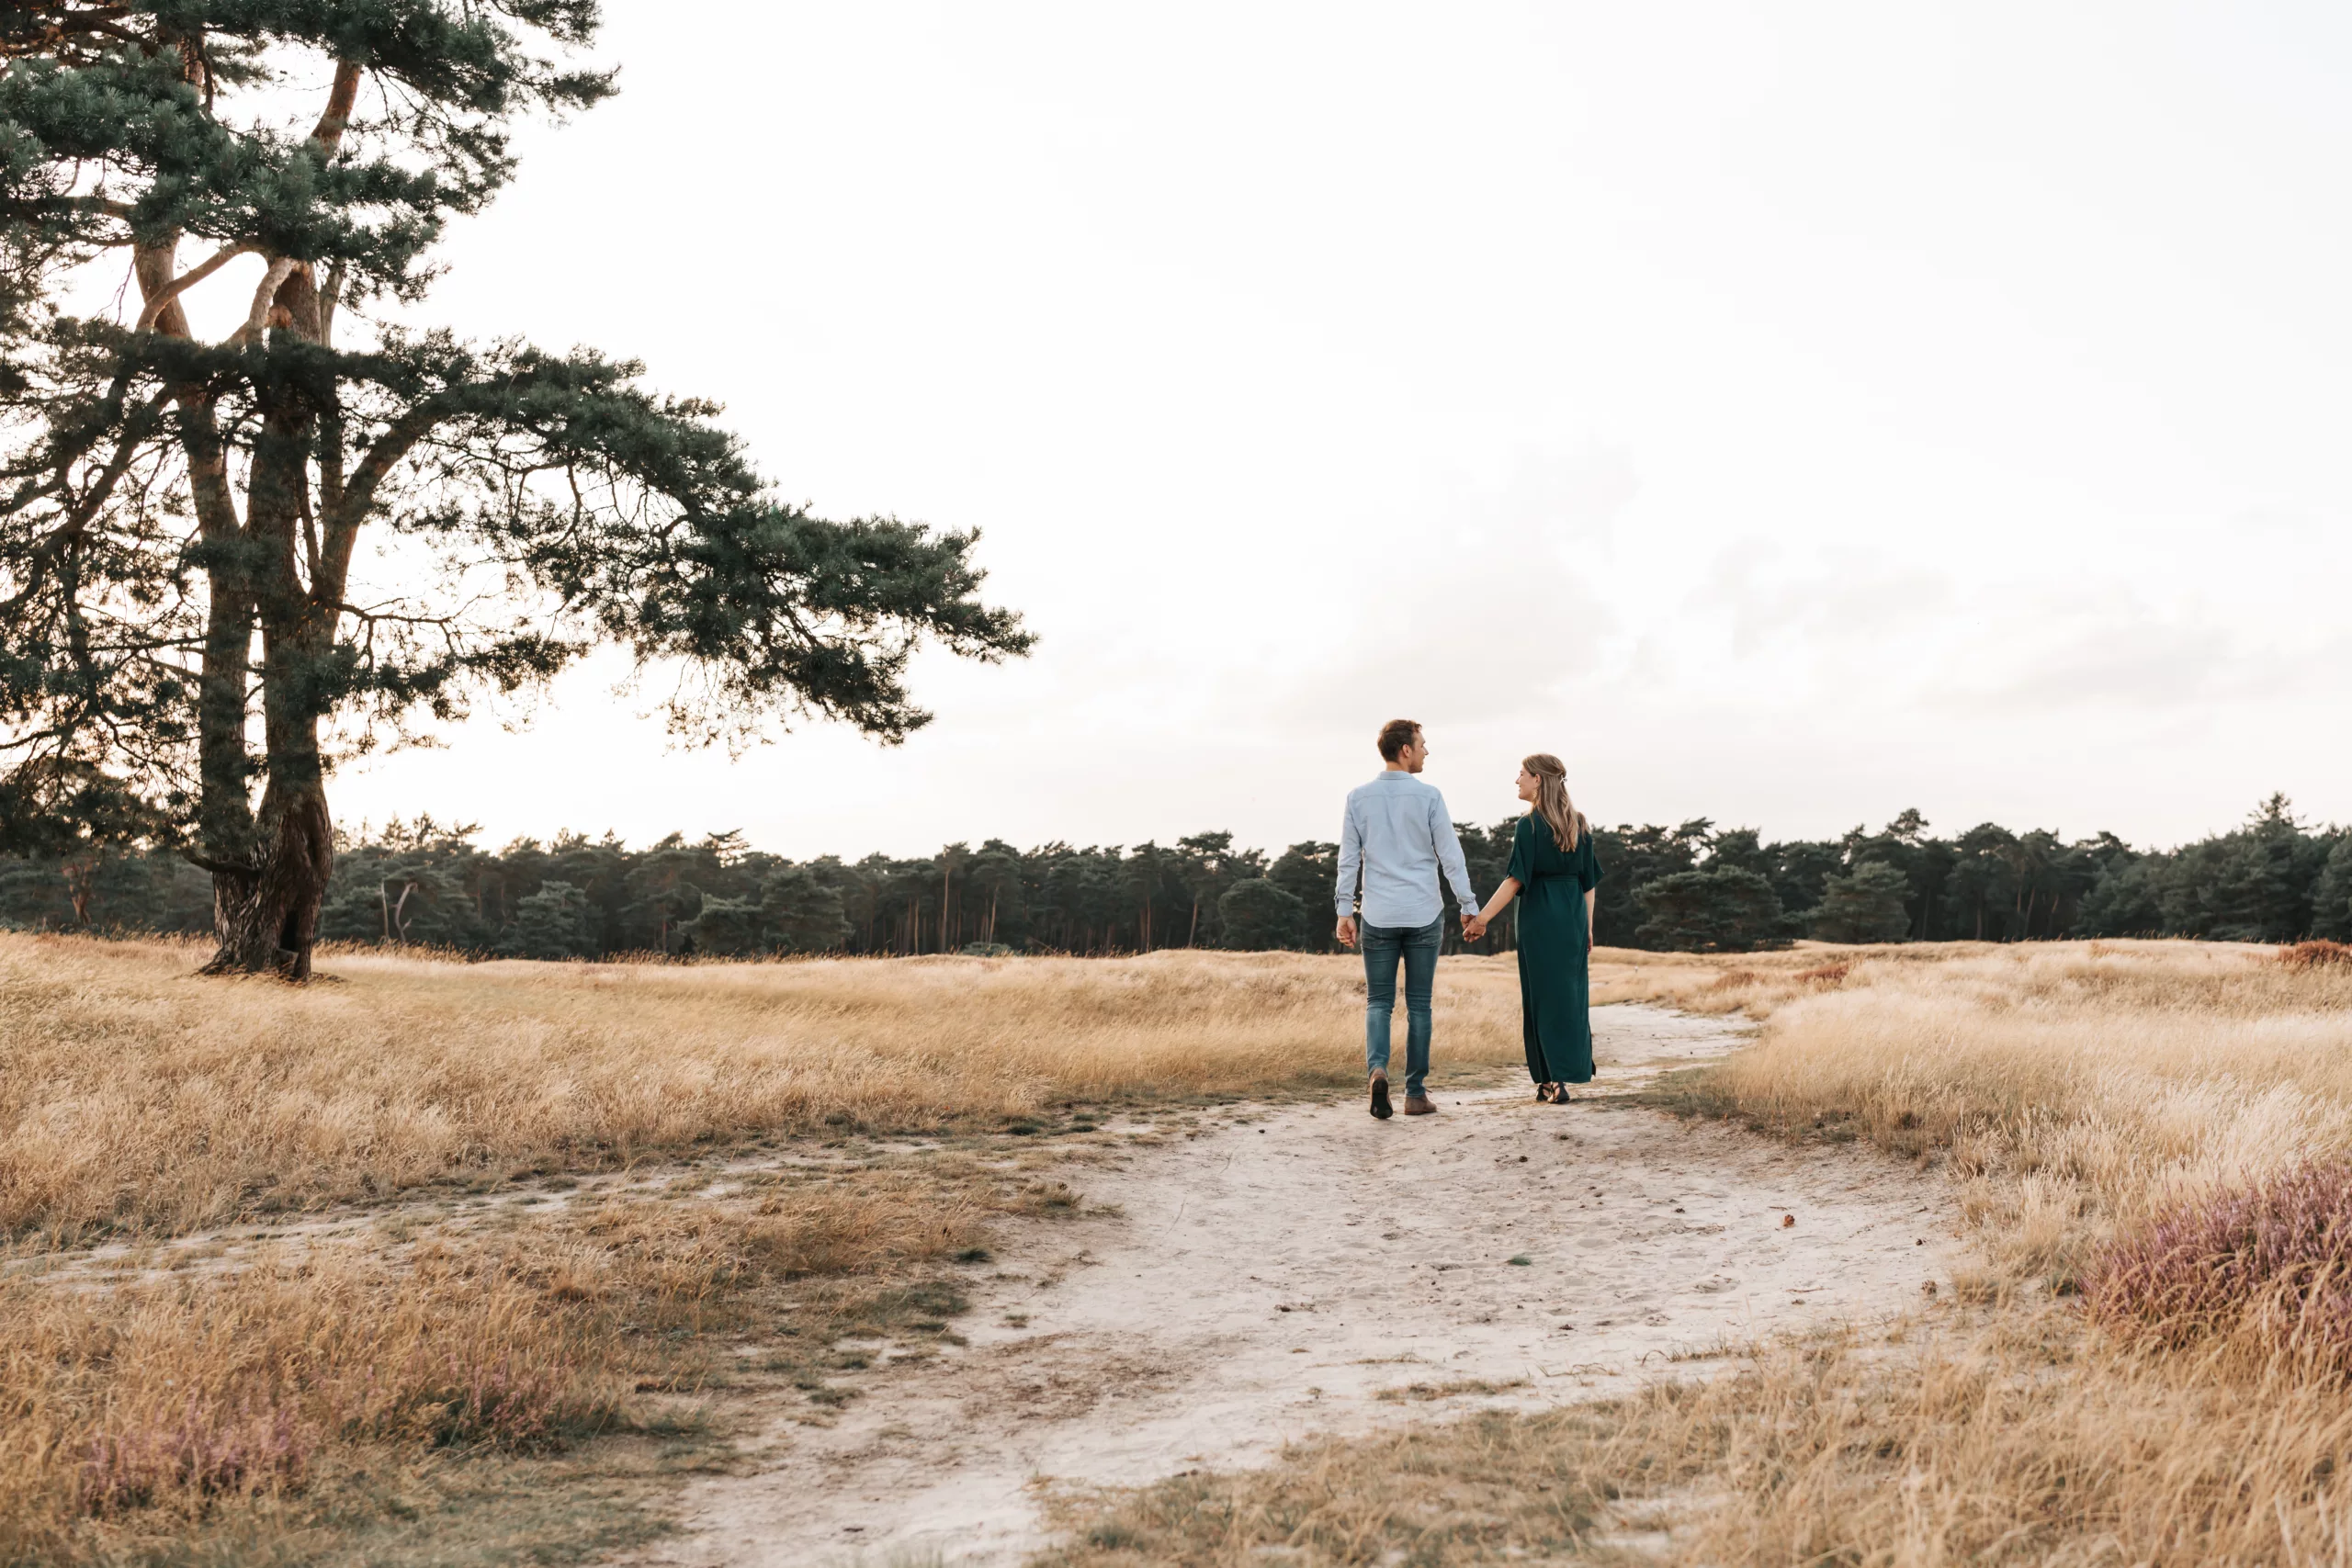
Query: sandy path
1270	1278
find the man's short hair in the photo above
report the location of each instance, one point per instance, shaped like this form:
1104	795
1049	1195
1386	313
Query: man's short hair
1395	735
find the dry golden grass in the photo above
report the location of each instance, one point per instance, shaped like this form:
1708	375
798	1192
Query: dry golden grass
1985	1437
1752	984
2077	1089
135	1096
134	1418
2077	1092
127	1417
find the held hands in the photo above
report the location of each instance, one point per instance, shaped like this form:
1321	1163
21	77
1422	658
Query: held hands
1474	926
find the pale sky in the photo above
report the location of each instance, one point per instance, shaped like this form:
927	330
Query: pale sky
1786	414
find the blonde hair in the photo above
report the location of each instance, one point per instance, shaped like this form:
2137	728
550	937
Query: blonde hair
1552	802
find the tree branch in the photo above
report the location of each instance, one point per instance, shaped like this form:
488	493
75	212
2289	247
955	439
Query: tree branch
217	867
186	280
265	300
141	425
153	264
328	133
310	533
359	494
330	297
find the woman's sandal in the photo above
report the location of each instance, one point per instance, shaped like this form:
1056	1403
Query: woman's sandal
1551	1093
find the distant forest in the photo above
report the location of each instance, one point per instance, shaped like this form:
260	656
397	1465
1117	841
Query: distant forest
1694	888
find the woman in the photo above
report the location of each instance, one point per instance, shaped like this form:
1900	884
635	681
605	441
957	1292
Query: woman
1552	862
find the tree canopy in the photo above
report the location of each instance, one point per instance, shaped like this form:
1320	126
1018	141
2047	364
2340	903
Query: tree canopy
181	520
428	884
1722	908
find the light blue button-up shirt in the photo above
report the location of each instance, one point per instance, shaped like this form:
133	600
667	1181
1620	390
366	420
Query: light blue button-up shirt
1399	835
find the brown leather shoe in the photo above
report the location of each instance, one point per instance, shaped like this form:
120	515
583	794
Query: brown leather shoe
1418	1105
1380	1098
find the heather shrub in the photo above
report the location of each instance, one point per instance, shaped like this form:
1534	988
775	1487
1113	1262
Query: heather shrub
2272	1263
2317	954
202	1448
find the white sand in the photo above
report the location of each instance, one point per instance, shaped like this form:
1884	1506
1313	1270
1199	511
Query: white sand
1269	1278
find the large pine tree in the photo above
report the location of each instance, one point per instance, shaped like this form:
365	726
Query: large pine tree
191	628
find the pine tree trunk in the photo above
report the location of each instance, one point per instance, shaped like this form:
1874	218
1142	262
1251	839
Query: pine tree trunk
266	918
266	910
265	902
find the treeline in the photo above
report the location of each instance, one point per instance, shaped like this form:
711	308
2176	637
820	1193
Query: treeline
1692	887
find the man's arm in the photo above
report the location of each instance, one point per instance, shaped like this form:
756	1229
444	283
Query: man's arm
1449	855
1350	865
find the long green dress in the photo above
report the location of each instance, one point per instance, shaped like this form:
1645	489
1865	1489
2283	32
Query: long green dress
1554	979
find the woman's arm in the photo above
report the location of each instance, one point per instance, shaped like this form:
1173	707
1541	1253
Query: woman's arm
1503	895
1591	897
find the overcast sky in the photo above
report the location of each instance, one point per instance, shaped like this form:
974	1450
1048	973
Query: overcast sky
1786	414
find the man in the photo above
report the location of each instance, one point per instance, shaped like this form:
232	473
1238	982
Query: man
1399	835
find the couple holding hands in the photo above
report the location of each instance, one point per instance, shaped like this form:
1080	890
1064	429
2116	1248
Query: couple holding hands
1397	840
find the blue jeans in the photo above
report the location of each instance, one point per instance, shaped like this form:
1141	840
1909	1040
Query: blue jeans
1383	946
